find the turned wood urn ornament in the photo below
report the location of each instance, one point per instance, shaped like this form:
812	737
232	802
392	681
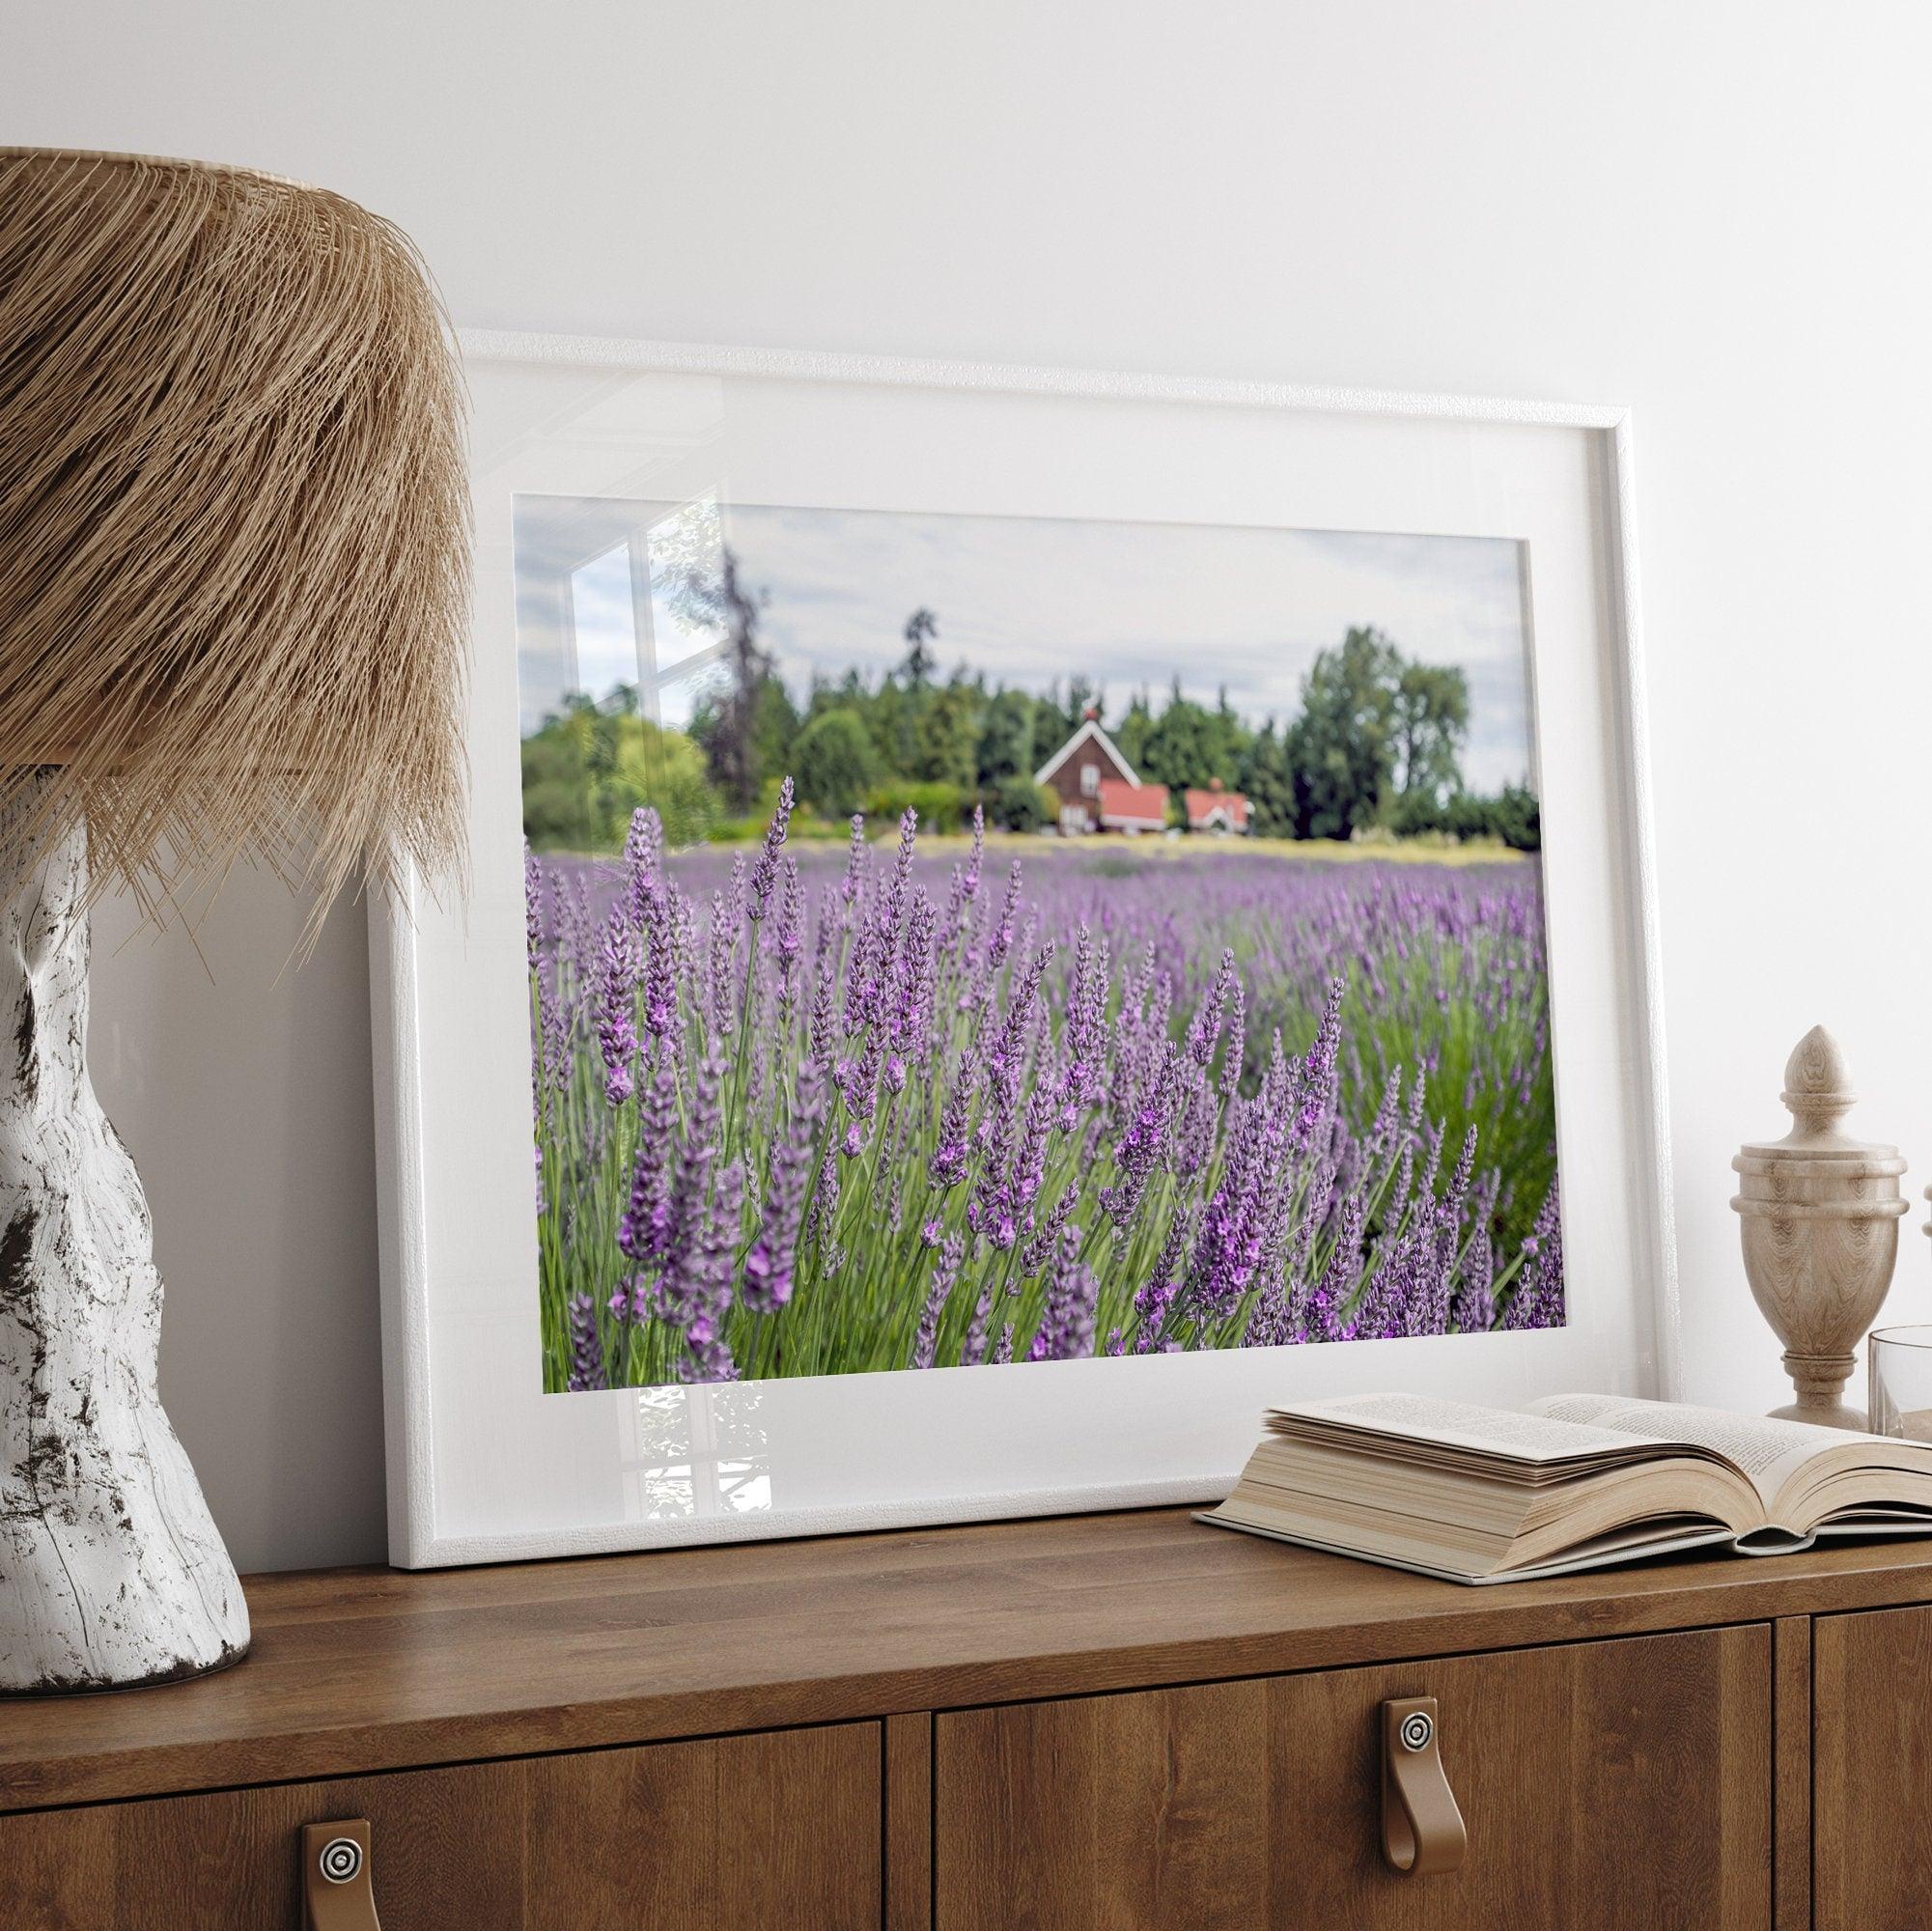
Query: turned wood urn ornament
1820	1213
234	582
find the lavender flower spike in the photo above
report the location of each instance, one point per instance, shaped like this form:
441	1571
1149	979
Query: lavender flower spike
769	1266
587	1370
533	906
1066	1328
945	1274
616	1010
765	873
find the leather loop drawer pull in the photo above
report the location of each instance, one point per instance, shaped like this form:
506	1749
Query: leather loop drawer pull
1422	1830
336	1892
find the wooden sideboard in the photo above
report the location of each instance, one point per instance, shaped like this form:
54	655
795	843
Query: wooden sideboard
1118	1720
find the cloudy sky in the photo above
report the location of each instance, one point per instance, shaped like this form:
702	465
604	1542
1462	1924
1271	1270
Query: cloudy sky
1031	601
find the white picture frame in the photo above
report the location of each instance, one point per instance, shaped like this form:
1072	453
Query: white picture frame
483	1467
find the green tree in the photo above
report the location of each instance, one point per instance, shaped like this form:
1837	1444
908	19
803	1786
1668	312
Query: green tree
834	763
1431	718
590	766
945	736
1512	815
1005	749
1341	748
920	627
1050	729
1267	779
773	721
889	716
1186	744
1021	806
1230	739
1131	733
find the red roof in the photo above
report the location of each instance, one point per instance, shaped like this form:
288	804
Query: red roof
1203	804
1124	803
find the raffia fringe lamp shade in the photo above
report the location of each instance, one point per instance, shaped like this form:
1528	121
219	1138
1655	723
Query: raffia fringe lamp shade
234	587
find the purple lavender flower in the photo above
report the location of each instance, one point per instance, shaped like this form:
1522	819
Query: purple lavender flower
616	1010
790	933
1318	1069
587	1370
660	983
1002	937
946	1274
644	1227
1030	1162
769	1266
764	874
533	906
824	1215
948	1164
1144	1142
1086	1031
1204	1034
705	1284
721	999
1065	1328
1236	1037
1537	1300
913	1005
643	858
1001	1050
688	1189
1045	1237
853	884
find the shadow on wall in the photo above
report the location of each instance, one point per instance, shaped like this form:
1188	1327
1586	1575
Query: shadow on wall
241	1086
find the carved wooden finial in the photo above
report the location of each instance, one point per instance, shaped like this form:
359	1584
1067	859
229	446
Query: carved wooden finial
1820	1213
1817	1088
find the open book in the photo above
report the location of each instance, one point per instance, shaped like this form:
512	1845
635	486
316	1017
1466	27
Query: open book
1488	1494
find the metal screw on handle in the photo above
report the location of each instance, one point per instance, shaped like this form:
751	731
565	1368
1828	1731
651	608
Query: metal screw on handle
336	1892
341	1859
1422	1829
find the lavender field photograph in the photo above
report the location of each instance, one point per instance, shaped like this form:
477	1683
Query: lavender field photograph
968	940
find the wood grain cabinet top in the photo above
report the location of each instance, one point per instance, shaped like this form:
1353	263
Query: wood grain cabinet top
358	1670
1115	1721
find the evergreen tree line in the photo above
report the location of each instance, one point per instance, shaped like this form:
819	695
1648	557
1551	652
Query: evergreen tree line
1375	744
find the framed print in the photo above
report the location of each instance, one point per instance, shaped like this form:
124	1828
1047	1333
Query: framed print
1019	917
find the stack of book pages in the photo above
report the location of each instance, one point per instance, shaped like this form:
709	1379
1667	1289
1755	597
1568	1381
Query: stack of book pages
1491	1494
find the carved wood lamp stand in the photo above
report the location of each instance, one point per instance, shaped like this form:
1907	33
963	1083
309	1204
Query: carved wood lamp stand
114	1570
1820	1213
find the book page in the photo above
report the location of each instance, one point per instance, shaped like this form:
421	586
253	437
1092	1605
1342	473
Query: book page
1506	1432
1765	1451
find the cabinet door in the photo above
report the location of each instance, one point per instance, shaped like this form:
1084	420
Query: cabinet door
1622	1785
777	1830
1871	1780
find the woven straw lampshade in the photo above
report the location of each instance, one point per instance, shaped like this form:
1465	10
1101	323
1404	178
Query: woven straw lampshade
234	578
234	568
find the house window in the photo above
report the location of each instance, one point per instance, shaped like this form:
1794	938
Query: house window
1091	780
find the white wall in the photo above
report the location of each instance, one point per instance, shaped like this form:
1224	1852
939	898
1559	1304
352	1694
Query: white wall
1716	212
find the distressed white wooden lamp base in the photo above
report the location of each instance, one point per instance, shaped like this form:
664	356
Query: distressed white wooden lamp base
111	1570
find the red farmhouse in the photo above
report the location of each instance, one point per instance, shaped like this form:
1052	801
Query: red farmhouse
1100	791
1097	789
1216	809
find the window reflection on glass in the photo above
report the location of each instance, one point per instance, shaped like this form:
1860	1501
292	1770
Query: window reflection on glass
616	608
699	1451
604	627
621	647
